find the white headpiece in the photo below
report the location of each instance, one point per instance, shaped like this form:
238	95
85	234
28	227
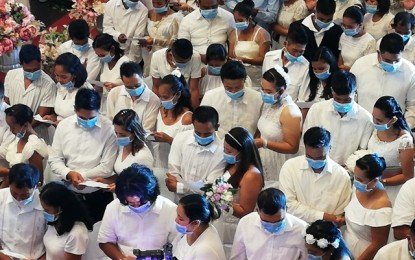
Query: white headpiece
281	71
322	242
176	72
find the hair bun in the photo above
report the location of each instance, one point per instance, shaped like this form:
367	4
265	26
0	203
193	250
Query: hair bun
176	72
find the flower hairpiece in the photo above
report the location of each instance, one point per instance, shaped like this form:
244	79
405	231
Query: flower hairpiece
284	74
322	242
176	73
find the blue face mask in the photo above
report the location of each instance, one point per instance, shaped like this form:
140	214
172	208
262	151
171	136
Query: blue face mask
130	4
391	68
140	209
292	58
136	91
106	59
316	164
241	26
82	48
342	108
323	75
321	24
313	257
159	10
24	202
203	141
33	76
405	37
183	230
214	70
268	98
20	134
363	187
230	159
351	32
50	218
68	85
371	9
209	14
381	128
168	104
124	141
274	228
87	123
235	95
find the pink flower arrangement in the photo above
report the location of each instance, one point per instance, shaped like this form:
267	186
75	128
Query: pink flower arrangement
220	193
49	42
88	10
18	25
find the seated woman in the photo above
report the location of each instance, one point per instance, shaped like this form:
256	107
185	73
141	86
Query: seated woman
200	239
71	76
335	249
66	237
175	116
26	147
378	19
369	213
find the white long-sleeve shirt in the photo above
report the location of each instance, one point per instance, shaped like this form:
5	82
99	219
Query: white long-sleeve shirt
309	194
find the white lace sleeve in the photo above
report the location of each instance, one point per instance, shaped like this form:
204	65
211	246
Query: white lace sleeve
406	142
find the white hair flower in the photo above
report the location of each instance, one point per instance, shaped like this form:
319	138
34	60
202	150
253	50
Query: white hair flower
282	72
336	243
322	243
310	239
176	73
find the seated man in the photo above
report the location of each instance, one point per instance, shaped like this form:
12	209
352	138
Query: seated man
196	156
236	104
139	218
270	232
316	186
81	45
404	210
135	95
84	148
22	223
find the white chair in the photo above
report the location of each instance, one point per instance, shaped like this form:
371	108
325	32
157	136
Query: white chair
93	252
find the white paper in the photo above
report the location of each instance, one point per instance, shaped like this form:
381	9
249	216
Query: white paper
305	104
40	119
194	186
94	184
97	83
14	255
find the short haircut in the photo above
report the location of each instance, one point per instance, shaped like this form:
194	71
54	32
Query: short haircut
197	207
233	70
413	227
29	53
391	43
206	114
21	113
78	29
404	18
297	34
317	137
327	7
383	6
216	51
24	175
355	12
137	180
271	200
128	69
87	99
372	164
71	64
182	48
344	82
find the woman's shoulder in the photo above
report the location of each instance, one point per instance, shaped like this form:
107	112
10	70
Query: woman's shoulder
381	201
251	175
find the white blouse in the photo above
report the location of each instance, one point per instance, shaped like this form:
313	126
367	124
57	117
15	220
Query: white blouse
34	144
143	157
65	101
380	28
353	48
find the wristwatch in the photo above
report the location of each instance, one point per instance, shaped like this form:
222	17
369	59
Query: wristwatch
383	181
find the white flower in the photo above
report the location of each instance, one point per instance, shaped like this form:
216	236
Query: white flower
336	243
176	73
322	243
310	239
209	194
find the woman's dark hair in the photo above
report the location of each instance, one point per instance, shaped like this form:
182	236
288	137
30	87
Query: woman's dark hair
71	64
129	120
328	230
216	51
241	140
274	77
106	42
271	200
372	165
22	114
177	85
391	108
245	8
24	175
322	53
71	209
197	207
355	12
137	180
404	18
383	7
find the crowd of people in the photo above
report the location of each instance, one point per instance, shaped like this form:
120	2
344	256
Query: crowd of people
305	108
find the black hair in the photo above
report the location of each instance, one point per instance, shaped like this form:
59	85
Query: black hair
271	200
78	29
29	53
24	175
21	113
297	34
129	120
245	8
176	85
404	18
274	77
206	114
391	43
129	68
182	48
71	64
413	227
383	7
391	108
344	82
322	53
1	90
248	154
372	164
137	180
327	7
106	42
197	207
329	231
71	209
216	51
355	12
233	70
87	99
317	137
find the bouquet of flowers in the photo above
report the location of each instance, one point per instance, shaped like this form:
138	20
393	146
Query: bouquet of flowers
17	25
49	42
220	192
88	10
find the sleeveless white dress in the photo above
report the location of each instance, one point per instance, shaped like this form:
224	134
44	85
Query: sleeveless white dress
34	144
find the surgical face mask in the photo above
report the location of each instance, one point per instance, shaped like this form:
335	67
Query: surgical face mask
204	140
82	48
314	257
168	104
323	75
209	14
214	70
106	59
135	92
68	85
351	32
235	95
274	228
24	202
183	230
405	37
21	134
268	98
159	10
87	123
124	141
292	58
383	127
230	159
342	108
33	76
391	68
316	164
321	24
371	9
241	26
130	4
141	209
50	218
363	187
